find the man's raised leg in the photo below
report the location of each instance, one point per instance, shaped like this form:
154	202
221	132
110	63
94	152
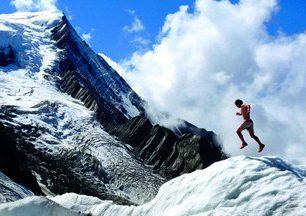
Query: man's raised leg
244	144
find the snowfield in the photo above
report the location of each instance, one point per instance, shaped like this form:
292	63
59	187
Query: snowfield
236	186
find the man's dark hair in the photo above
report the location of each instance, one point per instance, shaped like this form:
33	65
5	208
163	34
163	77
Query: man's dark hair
238	102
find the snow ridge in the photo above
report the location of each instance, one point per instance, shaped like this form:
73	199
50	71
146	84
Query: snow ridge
236	186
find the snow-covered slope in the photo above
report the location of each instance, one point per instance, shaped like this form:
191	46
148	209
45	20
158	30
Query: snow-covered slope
35	206
38	47
236	186
29	36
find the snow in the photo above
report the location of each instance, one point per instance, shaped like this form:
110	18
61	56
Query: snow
113	64
130	108
236	186
29	36
35	206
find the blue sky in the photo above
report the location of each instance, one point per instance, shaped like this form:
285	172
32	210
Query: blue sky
104	21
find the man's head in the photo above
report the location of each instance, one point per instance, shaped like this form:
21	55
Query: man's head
238	103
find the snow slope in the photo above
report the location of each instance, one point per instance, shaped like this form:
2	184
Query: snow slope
29	35
236	186
35	206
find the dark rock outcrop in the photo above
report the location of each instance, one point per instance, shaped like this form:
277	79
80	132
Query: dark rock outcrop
169	154
7	56
13	162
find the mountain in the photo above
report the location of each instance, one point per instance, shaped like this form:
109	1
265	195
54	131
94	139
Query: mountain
236	186
70	123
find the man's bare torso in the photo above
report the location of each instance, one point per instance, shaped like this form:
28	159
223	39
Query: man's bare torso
245	111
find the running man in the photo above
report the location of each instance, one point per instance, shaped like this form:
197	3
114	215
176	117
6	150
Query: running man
247	124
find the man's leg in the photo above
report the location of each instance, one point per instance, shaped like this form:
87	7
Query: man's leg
252	134
239	130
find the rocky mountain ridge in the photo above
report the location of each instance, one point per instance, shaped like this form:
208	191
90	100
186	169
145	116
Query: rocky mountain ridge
160	141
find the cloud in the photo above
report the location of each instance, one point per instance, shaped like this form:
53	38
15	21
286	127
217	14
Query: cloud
68	13
34	5
135	32
86	36
207	58
135	26
140	42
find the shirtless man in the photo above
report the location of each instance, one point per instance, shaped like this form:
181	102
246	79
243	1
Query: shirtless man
247	124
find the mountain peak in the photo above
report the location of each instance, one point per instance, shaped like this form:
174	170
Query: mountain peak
47	18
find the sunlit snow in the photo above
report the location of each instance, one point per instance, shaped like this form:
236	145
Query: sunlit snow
236	186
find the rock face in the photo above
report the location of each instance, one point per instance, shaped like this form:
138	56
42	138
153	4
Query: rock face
169	154
87	76
94	164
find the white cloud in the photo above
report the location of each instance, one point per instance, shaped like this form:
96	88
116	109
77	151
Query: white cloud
68	13
135	32
34	5
140	42
86	36
206	59
135	26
